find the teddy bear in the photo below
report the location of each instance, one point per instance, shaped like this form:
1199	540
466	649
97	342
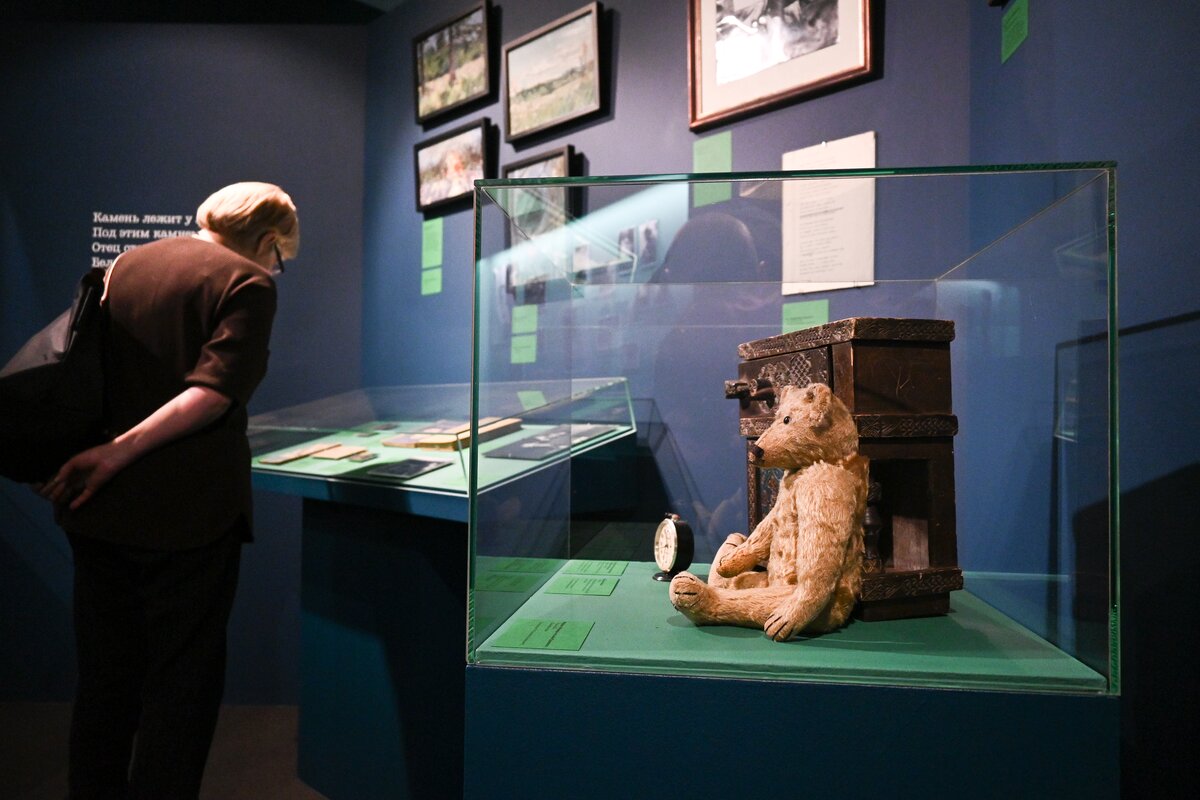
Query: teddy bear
811	541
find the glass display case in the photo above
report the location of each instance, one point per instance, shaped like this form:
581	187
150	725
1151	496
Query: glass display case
966	316
416	439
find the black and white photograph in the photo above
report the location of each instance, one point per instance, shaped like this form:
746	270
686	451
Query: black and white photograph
747	56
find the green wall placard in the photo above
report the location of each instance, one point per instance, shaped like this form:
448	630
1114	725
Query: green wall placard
525	319
431	243
804	314
1014	28
524	348
431	281
712	154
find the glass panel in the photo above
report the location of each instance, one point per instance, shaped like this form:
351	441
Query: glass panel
978	368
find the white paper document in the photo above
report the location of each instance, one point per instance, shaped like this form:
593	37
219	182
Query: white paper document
829	225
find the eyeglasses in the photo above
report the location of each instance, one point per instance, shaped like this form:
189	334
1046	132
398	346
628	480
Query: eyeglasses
278	270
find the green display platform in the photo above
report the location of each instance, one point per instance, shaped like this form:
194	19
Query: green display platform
635	629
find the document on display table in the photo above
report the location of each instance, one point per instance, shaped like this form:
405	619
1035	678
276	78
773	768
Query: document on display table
583	584
829	225
544	634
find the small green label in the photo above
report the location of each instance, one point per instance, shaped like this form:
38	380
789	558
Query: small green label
525	319
544	634
524	348
431	281
588	567
1014	28
712	154
506	582
531	398
805	314
431	243
592	585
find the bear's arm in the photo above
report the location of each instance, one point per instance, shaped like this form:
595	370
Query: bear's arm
826	511
752	552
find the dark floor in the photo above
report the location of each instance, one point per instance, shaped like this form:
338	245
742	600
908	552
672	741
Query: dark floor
253	754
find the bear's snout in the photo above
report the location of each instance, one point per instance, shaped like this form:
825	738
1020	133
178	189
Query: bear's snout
756	454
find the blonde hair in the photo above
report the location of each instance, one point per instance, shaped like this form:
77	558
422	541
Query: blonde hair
243	212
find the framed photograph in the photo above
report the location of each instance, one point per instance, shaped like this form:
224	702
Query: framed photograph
536	210
451	63
746	56
552	75
447	166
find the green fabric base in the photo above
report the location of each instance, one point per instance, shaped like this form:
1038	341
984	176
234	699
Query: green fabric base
637	630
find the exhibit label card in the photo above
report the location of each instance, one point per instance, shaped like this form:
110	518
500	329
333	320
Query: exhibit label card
804	314
544	634
525	319
829	225
431	281
524	348
531	398
506	582
431	243
584	585
712	154
519	564
590	567
1014	29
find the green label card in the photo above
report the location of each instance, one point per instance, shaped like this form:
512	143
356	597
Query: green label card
524	348
525	319
506	582
712	154
544	634
431	281
431	243
587	567
520	564
1014	29
805	314
531	398
583	584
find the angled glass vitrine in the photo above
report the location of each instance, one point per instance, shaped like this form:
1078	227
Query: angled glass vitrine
994	286
417	439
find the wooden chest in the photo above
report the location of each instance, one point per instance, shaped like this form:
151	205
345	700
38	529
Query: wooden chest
894	376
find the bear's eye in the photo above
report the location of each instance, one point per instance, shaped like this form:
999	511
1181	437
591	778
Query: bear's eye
786	420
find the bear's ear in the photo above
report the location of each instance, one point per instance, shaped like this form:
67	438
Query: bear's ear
816	396
784	393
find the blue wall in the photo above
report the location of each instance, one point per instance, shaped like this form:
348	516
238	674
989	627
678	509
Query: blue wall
1116	81
150	119
644	130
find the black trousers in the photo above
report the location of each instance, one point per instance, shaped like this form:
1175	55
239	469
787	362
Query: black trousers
150	633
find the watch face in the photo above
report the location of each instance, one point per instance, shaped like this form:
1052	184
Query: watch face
666	545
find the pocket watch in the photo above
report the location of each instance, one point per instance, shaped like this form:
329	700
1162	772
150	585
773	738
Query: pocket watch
674	547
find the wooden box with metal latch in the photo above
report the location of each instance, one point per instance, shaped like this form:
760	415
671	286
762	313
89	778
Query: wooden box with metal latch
894	377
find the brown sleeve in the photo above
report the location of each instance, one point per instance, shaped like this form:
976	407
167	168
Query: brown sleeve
234	359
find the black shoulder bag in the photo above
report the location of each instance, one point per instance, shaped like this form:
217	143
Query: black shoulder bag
52	402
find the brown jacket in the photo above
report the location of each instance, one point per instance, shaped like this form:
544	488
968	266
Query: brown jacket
184	312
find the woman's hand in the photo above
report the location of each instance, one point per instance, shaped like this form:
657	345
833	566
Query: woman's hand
82	476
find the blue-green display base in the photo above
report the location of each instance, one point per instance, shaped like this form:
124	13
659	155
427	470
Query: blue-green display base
637	630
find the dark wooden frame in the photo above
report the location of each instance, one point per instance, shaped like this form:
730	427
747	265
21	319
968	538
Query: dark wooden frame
483	127
701	116
483	6
594	11
567	154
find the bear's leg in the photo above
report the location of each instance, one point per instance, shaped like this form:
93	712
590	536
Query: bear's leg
714	605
